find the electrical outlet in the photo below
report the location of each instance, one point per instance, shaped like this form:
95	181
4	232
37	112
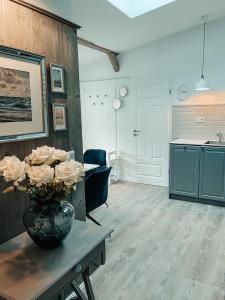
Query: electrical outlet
200	120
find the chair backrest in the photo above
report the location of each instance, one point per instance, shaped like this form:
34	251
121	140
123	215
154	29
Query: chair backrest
96	189
95	156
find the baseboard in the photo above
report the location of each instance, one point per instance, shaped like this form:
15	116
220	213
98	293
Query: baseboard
137	181
197	200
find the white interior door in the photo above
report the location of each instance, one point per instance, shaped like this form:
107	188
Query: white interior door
152	132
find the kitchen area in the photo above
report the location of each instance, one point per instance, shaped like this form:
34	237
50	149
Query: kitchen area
197	154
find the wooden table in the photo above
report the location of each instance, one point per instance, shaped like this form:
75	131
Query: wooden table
29	272
89	167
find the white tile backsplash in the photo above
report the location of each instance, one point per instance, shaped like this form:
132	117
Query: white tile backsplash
185	125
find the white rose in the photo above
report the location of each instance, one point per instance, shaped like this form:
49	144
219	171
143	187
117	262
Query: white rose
41	155
60	155
14	169
68	172
3	164
40	175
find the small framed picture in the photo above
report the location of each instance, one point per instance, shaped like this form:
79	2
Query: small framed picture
57	79
59	116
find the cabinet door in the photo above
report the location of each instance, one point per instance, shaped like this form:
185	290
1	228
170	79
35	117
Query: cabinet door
184	170
212	172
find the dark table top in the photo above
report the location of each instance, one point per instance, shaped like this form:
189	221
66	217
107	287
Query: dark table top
26	270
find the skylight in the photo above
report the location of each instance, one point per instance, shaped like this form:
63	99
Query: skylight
135	8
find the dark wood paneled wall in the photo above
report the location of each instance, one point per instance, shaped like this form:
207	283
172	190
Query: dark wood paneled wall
26	29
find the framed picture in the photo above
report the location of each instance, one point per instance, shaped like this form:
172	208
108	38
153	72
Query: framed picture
57	79
23	101
59	116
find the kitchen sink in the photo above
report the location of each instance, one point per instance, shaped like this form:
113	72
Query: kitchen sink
217	143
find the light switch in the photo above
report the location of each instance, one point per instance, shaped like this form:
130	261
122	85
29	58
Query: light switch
200	120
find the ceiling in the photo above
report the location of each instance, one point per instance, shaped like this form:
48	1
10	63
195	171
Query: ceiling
105	25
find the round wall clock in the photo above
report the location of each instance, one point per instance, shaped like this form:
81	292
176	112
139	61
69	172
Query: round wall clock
123	91
183	92
116	104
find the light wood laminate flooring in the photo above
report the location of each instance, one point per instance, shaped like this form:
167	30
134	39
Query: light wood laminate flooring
161	249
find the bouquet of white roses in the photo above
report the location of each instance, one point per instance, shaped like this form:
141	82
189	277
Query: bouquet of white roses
46	174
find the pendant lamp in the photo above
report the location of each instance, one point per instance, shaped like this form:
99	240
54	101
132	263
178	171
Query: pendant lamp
203	85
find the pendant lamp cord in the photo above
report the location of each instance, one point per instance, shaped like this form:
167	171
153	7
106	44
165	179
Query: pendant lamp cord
203	52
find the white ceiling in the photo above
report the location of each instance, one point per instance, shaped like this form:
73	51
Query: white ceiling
104	24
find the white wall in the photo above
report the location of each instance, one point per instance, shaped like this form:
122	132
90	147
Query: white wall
59	7
178	56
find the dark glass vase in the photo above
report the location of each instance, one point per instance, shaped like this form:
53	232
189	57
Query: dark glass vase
48	223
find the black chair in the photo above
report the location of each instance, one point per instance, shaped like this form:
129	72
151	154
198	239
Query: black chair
96	157
96	191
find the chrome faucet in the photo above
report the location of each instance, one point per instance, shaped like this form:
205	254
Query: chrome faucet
220	136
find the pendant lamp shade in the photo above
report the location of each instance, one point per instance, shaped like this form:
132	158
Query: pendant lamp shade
203	85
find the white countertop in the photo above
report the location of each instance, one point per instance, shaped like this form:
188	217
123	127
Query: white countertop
189	142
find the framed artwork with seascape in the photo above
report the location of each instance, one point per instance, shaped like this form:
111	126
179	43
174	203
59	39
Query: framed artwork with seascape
23	101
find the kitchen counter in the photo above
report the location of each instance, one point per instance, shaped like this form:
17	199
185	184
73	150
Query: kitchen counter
189	142
197	142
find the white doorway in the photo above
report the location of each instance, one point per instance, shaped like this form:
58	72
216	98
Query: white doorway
152	131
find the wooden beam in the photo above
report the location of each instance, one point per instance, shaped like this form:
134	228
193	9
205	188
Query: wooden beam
111	54
114	61
46	13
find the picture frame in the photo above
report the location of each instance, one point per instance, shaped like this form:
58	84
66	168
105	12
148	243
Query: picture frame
57	74
23	96
59	116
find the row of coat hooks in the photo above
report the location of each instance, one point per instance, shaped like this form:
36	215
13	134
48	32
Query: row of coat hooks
98	96
116	102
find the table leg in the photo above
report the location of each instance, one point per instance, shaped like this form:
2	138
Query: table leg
88	286
78	291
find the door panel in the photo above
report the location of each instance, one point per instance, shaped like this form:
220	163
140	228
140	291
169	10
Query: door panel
149	170
152	127
184	170
212	181
150	91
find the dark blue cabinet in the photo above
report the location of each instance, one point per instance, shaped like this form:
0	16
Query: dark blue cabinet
184	170
212	173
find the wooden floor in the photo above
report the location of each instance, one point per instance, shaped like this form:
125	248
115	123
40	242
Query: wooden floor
161	249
